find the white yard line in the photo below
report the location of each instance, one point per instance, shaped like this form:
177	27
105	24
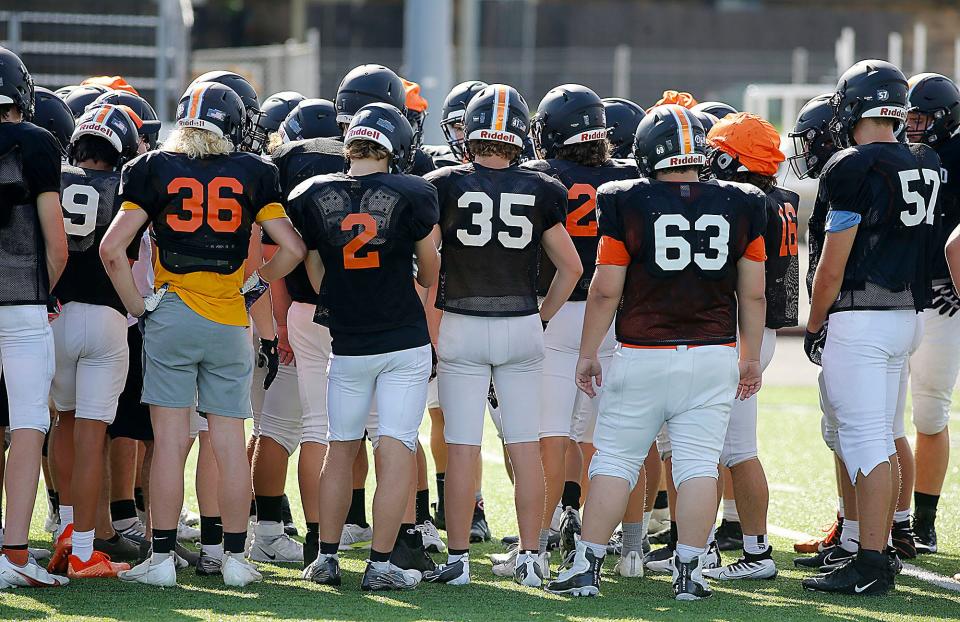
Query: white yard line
941	581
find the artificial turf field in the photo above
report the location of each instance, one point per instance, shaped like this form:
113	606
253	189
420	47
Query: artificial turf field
802	498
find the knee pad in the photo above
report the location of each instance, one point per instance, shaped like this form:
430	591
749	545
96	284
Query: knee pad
684	469
615	466
285	430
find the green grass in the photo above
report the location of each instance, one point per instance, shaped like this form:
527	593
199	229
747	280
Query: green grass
799	469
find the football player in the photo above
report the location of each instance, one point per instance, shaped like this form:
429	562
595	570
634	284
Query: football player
872	279
82	96
52	114
275	110
200	197
252	139
623	117
680	264
361	228
495	218
33	254
89	335
745	148
933	116
150	127
570	133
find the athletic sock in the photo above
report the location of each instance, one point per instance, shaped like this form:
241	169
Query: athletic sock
755	545
441	479
125	523
138	499
571	495
687	553
164	541
211	530
850	536
455	555
840	507
544	540
730	513
329	548
673	534
313	533
598	550
54	498
901	515
66	519
253	508
213	550
379	558
83	544
123	509
646	523
234	542
661	501
269	509
357	515
632	538
423	506
923	501
16	553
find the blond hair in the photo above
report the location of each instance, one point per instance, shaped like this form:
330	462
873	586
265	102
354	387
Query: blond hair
197	143
494	148
274	142
365	150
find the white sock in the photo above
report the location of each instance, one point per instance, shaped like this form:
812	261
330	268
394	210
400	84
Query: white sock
66	518
901	515
850	536
712	536
83	544
452	559
840	506
646	523
730	511
381	566
213	550
688	553
755	545
599	550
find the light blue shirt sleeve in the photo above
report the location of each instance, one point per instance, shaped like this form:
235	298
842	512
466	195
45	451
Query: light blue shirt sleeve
838	220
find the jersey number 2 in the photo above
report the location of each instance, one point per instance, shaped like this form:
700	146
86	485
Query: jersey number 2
575	227
222	214
674	252
368	231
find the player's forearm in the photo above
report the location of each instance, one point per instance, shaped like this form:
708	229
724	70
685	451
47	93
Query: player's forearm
56	259
597	319
826	288
752	316
283	262
560	289
121	275
953	256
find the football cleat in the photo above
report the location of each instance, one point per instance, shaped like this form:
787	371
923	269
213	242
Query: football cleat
355	537
135	532
903	540
825	560
857	578
98	566
527	571
325	570
272	545
832	538
186	533
659	560
161	572
729	535
569	530
451	573
438	516
408	557
925	531
479	529
712	559
431	537
504	563
238	572
388	578
615	545
39	555
749	566
582	578
30	574
659	520
688	581
61	551
209	565
630	565
119	548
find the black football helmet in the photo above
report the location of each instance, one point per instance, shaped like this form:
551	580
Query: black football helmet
52	114
111	123
623	117
935	100
717	109
568	114
16	84
387	126
276	108
79	98
451	115
812	141
253	139
706	119
368	84
150	124
670	136
870	89
216	108
497	113
311	118
63	91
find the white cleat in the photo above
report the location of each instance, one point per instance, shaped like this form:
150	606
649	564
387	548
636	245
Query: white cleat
760	567
238	572
355	537
31	574
544	560
630	565
527	571
186	533
159	570
431	538
189	518
271	545
505	563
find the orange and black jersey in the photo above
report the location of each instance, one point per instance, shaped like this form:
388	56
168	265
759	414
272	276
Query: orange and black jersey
680	243
783	266
581	183
365	230
492	221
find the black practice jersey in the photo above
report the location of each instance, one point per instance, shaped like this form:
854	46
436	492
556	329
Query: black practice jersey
492	221
422	163
680	243
29	167
441	155
297	162
949	153
894	188
815	235
90	200
783	265
365	230
581	183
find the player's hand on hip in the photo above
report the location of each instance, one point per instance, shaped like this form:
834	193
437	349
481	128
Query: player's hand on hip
750	379
589	373
283	347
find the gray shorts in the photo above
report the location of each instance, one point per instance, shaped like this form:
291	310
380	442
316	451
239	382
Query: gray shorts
188	359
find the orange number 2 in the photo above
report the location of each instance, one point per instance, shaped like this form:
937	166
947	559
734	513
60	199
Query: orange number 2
574	227
222	214
367	232
788	239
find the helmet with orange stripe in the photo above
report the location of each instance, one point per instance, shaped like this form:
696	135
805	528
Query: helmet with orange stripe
669	137
497	114
150	127
213	107
116	125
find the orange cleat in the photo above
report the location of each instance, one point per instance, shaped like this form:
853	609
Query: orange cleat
61	550
98	566
831	538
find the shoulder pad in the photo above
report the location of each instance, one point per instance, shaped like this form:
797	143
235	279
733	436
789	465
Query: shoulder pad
849	159
309	184
622	185
543	166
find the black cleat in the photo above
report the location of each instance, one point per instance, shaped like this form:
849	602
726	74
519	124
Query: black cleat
439	520
479	530
825	560
582	578
688	581
925	531
903	540
867	575
324	570
408	557
454	573
311	549
729	535
569	530
287	517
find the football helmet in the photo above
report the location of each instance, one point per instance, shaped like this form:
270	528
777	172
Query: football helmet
149	126
870	89
934	102
669	137
623	117
115	124
312	118
82	96
276	108
52	114
498	113
416	110
812	141
113	83
216	108
367	84
387	126
568	114
451	115
253	139
743	143
717	109
16	84
706	119
63	91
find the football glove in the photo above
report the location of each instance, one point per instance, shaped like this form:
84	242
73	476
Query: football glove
150	304
53	308
433	362
813	344
252	289
268	356
945	299
492	396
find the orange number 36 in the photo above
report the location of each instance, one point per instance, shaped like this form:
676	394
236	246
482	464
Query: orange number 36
368	231
222	214
788	238
575	227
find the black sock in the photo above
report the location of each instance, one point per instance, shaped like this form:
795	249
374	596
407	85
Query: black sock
313	533
164	540
138	499
234	542
114	539
253	507
211	530
923	501
285	510
409	534
377	556
423	506
571	495
673	534
661	500
123	509
329	548
54	497
357	515
441	478
478	509
269	508
458	551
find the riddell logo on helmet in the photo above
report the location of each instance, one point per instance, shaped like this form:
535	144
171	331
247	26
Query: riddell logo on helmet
364	132
501	136
687	160
896	113
593	135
